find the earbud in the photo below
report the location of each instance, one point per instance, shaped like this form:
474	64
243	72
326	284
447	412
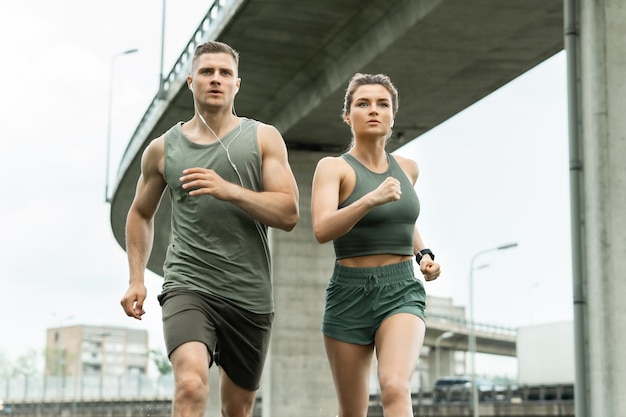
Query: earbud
392	123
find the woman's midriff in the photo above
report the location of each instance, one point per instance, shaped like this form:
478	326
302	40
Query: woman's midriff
373	260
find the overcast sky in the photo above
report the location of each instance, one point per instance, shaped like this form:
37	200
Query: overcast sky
494	174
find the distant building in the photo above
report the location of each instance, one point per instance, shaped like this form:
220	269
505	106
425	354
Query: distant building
96	350
444	307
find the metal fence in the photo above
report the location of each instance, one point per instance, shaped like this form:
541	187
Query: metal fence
25	388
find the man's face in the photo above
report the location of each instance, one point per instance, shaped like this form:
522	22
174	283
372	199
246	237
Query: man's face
214	79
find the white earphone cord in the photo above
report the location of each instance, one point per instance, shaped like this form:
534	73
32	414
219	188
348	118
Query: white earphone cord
225	147
232	164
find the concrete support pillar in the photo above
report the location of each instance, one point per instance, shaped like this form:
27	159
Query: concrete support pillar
603	93
297	380
447	365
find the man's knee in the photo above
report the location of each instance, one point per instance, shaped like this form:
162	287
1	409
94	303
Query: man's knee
237	410
192	388
241	407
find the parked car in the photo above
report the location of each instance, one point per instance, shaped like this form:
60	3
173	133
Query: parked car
5	409
459	388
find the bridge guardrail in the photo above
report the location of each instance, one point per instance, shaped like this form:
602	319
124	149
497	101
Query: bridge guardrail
219	9
463	322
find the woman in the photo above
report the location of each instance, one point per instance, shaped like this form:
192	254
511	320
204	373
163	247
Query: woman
364	201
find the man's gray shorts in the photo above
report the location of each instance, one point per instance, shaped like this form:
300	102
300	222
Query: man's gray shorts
237	339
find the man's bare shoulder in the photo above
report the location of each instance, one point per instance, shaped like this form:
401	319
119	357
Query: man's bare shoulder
266	131
154	155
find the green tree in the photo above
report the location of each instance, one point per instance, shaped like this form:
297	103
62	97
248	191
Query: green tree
161	361
5	365
26	364
56	362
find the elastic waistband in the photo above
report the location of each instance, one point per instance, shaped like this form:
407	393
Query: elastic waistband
384	274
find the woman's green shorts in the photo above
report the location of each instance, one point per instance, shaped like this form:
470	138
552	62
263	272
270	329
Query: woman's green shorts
358	300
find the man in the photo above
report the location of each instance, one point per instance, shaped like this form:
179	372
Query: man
229	180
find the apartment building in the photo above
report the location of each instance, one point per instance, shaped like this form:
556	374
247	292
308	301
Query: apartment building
82	350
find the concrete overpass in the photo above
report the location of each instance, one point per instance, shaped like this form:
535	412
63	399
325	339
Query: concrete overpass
296	59
490	339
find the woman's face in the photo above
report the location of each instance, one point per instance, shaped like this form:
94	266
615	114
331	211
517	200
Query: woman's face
371	111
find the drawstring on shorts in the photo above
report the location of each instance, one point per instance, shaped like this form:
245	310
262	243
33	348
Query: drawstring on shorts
370	283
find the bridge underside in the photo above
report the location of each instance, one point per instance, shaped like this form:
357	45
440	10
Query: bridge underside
296	59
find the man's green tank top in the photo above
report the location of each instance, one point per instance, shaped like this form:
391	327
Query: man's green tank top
384	229
216	247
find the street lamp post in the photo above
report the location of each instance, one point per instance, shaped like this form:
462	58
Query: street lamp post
438	340
161	95
108	151
471	331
